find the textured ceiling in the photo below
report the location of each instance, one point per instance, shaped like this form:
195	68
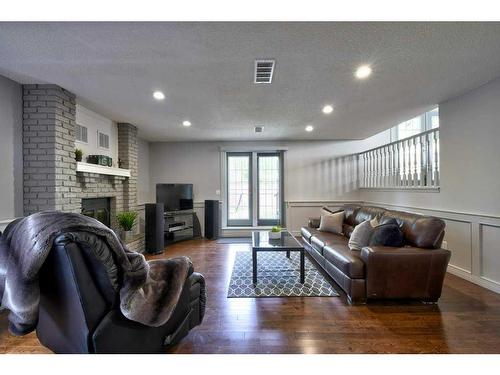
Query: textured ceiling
206	73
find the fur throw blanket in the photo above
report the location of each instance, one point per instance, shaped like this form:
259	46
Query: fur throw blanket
149	291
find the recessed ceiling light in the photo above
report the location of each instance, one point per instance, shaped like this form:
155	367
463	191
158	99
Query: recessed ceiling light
186	123
363	72
327	109
309	128
158	95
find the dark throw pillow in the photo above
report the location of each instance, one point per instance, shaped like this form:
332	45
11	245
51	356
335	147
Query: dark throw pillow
387	235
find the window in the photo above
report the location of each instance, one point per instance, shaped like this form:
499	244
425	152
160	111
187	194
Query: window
248	172
81	134
410	160
103	140
417	125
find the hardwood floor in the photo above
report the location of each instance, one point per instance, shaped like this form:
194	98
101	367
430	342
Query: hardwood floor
466	319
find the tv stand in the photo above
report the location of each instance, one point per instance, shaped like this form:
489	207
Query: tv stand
180	226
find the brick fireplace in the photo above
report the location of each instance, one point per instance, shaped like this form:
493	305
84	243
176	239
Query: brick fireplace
51	180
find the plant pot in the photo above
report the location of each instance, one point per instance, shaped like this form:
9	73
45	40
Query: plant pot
274	235
127	235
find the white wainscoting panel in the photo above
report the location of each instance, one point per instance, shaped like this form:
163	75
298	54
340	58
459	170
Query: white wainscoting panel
490	252
458	235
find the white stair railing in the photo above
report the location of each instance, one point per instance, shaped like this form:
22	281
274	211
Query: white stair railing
410	163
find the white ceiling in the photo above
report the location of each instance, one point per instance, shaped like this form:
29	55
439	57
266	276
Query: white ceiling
206	73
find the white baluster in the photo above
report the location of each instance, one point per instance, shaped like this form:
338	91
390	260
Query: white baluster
421	141
386	165
403	166
415	164
436	158
398	161
428	167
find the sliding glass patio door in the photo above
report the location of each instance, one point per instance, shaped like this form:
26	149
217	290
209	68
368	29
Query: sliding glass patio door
260	172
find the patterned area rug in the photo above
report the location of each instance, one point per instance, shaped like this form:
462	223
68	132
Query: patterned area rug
277	276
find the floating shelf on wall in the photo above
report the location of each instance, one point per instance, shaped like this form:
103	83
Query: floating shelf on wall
100	169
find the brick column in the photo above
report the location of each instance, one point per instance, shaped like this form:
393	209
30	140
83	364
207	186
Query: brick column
49	149
127	153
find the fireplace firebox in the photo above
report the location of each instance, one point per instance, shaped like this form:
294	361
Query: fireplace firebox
98	208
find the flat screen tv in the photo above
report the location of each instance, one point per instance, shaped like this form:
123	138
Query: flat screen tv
175	197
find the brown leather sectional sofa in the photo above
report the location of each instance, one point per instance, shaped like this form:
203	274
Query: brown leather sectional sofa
414	271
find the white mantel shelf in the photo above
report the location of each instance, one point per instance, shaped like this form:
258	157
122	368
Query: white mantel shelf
100	169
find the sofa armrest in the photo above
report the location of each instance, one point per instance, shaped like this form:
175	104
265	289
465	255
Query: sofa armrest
406	272
198	295
314	222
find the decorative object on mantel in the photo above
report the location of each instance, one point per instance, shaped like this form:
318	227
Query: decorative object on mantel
100	160
126	221
275	233
78	154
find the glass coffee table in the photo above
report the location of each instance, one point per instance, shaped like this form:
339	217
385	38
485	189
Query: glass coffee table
287	242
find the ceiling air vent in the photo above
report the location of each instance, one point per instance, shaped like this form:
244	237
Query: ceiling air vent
259	129
264	70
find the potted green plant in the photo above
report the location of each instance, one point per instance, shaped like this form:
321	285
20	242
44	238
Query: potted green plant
126	221
275	232
78	154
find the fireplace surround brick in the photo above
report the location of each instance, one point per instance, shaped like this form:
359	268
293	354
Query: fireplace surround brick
49	167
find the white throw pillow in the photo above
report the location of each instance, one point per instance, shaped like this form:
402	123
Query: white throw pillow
331	222
360	236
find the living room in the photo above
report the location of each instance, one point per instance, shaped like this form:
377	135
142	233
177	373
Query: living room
182	187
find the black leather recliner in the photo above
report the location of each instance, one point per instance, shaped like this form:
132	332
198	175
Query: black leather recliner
79	308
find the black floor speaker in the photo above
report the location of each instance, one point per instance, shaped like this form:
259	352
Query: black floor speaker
212	219
155	227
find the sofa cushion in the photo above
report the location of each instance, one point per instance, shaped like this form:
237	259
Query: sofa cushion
361	235
368	213
347	230
307	233
347	261
350	211
321	239
331	222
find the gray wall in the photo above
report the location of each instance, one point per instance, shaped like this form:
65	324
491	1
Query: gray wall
313	176
310	167
11	156
143	180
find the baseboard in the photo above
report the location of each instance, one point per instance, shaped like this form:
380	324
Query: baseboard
466	275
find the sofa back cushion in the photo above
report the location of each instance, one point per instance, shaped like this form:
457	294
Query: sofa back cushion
367	213
350	214
349	219
420	231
